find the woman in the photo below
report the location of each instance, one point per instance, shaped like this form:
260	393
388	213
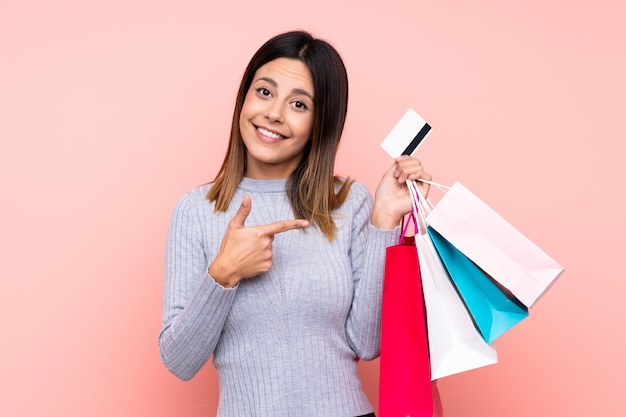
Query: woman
276	267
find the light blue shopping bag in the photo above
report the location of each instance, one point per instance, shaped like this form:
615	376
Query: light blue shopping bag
493	311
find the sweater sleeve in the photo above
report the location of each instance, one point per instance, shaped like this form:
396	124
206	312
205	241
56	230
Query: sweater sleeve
367	254
195	307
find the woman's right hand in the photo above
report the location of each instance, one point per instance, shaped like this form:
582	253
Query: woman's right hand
247	251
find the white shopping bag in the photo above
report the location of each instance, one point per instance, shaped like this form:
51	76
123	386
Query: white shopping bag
455	345
493	244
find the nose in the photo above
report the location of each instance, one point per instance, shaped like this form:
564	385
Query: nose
274	112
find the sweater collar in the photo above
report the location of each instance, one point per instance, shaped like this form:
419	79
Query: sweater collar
263	186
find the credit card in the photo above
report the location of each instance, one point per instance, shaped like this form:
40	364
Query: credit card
407	135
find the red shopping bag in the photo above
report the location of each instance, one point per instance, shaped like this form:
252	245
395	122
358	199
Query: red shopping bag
405	386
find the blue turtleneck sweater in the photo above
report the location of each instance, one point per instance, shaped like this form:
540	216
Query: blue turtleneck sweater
286	342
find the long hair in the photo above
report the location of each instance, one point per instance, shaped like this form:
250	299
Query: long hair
313	189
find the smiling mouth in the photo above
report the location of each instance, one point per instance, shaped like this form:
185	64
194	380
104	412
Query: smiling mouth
269	134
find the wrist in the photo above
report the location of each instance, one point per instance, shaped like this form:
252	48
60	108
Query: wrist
383	220
222	275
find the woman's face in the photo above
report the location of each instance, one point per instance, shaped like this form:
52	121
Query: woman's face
277	118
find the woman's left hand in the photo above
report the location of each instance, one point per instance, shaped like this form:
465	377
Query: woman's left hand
392	200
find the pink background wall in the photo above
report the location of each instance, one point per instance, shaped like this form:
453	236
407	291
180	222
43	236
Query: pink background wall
110	110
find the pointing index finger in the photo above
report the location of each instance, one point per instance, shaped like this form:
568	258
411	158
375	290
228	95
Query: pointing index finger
283	226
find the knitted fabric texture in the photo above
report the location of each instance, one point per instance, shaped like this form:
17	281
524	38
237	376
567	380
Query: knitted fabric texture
286	342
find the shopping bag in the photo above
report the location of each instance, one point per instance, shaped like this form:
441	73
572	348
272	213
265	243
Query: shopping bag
492	310
455	344
493	244
404	380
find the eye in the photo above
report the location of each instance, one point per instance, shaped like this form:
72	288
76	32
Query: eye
299	105
264	91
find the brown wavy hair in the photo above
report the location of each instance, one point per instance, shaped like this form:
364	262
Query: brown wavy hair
313	189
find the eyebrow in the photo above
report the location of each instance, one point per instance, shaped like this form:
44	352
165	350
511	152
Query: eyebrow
294	91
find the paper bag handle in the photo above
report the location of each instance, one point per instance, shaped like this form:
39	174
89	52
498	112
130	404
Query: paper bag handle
421	205
440	187
418	208
405	227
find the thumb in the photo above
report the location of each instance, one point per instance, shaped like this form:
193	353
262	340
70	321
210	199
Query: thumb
240	217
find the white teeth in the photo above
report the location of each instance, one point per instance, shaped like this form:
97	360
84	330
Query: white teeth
269	134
